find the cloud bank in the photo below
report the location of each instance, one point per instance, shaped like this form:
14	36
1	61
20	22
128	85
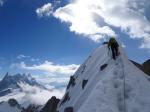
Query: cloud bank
95	19
32	95
49	74
49	67
35	95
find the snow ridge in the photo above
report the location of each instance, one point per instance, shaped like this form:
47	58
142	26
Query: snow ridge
119	87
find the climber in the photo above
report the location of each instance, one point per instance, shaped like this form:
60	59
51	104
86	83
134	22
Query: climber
113	45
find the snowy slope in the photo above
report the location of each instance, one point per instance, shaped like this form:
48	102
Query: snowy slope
5	107
120	86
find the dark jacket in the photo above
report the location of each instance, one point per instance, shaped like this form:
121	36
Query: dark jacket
112	42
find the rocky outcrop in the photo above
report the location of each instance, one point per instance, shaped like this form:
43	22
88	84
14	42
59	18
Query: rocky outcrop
103	66
31	108
145	67
140	66
13	102
65	99
84	82
71	82
51	105
68	109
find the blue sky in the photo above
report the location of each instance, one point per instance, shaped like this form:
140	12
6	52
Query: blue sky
33	36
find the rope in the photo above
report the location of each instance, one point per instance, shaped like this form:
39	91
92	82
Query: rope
124	86
124	92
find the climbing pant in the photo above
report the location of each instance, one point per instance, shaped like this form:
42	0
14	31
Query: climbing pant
114	49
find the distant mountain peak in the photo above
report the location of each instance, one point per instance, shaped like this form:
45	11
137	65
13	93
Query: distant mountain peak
6	76
10	82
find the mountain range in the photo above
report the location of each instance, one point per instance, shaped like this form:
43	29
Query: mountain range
11	82
100	84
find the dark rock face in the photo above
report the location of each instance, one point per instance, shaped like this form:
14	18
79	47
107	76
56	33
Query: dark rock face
66	98
146	67
103	66
6	91
71	82
84	82
31	108
137	65
13	102
84	66
68	109
51	105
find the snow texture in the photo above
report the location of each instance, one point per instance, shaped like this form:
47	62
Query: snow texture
5	107
120	87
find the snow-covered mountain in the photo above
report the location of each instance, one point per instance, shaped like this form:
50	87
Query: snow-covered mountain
10	106
11	82
102	84
26	91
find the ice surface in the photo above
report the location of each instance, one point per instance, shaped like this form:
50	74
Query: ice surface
120	86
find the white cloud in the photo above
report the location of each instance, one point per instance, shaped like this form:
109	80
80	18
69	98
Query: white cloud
34	59
21	56
36	95
146	42
46	79
49	67
40	97
45	10
53	82
33	95
81	21
1	3
123	45
94	18
51	75
57	2
33	90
